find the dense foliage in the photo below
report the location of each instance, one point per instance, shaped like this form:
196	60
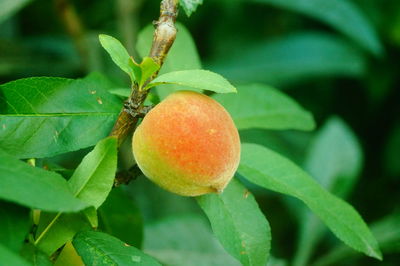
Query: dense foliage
312	86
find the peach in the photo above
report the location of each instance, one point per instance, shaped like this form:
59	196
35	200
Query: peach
187	144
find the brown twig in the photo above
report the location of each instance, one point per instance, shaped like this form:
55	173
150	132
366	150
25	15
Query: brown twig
163	38
126	176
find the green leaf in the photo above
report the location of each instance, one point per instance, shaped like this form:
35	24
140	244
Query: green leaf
190	6
55	230
97	248
9	7
91	182
144	70
183	55
335	161
260	106
34	187
149	67
343	15
335	157
123	92
94	177
137	71
198	79
196	245
118	54
42	117
387	233
292	58
14	225
270	170
10	258
238	223
91	215
120	217
35	256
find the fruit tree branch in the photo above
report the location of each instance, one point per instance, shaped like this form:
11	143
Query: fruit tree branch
163	38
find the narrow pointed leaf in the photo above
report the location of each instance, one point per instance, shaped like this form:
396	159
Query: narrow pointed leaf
387	233
118	53
272	171
94	177
199	79
238	223
98	248
334	160
261	106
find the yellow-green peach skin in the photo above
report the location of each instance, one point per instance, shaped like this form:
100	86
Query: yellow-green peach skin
188	144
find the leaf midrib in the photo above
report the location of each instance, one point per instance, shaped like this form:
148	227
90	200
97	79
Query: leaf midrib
308	203
236	229
89	242
76	194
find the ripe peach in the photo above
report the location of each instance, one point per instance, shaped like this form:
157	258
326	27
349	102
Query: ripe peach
188	144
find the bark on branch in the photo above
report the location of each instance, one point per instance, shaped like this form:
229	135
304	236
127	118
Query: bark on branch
163	38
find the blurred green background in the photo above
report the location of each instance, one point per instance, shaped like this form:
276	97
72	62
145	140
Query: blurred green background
339	59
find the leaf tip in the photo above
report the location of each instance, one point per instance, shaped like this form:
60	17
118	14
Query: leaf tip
102	37
375	253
